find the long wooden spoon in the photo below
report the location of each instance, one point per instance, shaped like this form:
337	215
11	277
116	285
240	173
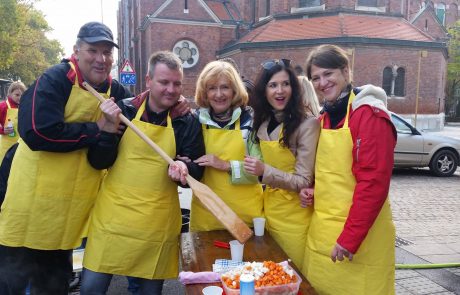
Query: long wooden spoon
210	200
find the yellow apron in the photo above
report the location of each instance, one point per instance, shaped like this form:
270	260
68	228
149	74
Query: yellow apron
245	199
7	141
372	268
286	221
50	195
135	225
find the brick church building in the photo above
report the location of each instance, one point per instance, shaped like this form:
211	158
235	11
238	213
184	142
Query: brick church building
399	45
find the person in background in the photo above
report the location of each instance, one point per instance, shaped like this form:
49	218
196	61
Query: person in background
227	125
52	187
136	220
287	133
352	220
9	117
309	96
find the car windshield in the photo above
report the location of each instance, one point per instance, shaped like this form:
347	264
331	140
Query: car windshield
400	125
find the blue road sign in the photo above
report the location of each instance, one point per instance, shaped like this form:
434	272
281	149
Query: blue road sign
128	78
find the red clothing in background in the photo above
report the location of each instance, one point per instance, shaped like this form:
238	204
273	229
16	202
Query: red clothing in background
3	109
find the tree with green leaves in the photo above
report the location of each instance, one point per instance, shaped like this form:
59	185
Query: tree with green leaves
25	51
453	72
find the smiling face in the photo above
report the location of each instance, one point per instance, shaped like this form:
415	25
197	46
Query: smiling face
94	61
279	90
329	83
165	87
220	94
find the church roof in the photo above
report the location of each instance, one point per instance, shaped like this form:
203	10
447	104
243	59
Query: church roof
336	26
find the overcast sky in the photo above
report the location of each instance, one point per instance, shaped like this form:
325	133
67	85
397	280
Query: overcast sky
66	17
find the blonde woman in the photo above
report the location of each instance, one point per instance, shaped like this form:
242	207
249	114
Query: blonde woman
309	96
227	123
9	113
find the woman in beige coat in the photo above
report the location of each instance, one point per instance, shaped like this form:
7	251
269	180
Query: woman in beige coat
287	135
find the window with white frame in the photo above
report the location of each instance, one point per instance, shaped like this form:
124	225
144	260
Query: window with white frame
371	3
394	81
441	12
309	3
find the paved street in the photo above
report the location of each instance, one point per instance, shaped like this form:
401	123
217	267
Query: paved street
426	215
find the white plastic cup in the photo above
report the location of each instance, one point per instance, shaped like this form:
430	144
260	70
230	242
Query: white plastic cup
212	290
259	226
236	250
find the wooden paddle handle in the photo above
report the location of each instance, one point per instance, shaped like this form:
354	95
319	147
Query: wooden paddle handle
132	126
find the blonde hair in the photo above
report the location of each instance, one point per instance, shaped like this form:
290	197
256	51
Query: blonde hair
16	85
210	74
309	97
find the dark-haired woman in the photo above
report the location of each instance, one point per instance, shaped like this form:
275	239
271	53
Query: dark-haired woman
354	161
288	135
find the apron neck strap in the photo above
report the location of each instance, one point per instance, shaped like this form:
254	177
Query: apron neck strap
141	110
237	124
8	103
350	100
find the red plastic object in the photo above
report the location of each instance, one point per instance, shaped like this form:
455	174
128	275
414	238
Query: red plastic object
221	244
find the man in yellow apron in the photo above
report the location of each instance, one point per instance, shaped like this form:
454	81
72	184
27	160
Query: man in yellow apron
9	117
136	221
52	187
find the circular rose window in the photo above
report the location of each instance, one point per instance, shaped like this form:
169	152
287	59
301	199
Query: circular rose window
188	53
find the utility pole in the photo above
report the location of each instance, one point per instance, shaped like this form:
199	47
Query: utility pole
102	12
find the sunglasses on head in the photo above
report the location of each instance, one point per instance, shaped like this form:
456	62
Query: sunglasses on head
268	64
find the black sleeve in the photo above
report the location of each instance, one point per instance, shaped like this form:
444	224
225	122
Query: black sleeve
103	153
189	142
119	91
5	170
41	115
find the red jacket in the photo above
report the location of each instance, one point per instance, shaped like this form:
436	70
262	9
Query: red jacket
372	169
3	109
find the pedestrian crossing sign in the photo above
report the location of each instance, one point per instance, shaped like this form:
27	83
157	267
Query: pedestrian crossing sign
127	67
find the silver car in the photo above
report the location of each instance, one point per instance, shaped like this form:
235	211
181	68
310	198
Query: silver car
418	149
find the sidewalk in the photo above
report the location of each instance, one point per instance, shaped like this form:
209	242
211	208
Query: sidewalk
426	215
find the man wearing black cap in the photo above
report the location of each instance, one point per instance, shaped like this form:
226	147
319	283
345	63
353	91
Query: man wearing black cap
52	186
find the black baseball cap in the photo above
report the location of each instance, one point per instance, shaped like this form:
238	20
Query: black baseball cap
93	32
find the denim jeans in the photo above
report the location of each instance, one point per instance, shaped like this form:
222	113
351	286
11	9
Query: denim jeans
96	283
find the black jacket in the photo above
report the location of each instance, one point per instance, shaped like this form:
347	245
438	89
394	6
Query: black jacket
187	131
5	170
41	114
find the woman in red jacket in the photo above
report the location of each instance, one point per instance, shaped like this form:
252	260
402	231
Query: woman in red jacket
9	117
354	160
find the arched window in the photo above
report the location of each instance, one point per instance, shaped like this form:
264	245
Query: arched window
441	12
387	77
371	3
394	80
309	3
399	82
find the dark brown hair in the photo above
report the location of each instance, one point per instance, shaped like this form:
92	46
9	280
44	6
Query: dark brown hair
327	57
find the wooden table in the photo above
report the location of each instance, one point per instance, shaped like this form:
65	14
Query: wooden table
198	254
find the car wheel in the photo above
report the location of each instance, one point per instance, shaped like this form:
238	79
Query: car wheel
444	163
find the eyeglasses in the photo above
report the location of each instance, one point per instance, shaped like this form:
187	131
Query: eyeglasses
268	64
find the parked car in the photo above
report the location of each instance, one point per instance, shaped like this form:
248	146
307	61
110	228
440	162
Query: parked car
419	149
